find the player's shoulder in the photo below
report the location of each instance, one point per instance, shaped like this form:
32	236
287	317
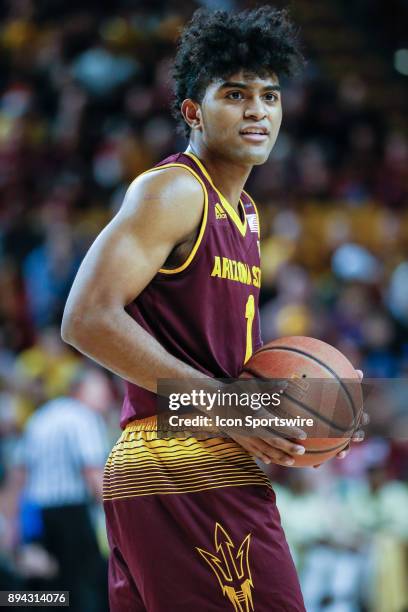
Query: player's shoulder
171	192
169	180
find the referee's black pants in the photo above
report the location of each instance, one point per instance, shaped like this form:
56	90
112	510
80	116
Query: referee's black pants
69	536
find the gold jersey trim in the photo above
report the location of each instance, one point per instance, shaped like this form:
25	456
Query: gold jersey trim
241	225
203	221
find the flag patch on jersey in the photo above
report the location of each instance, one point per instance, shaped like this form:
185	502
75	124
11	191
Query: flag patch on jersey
219	211
253	222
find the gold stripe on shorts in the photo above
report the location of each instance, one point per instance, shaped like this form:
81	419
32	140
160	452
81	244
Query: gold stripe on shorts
141	463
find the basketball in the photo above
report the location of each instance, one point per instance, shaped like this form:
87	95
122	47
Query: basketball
321	384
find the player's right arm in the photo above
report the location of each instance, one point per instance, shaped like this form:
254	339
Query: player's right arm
161	211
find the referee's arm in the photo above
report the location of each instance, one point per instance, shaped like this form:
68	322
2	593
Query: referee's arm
94	478
91	451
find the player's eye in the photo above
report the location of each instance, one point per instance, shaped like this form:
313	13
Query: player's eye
235	95
271	97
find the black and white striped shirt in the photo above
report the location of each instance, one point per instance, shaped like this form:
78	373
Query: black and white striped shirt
61	439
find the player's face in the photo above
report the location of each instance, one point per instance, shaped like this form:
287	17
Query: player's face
241	117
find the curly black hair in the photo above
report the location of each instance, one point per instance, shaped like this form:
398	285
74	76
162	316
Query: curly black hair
216	44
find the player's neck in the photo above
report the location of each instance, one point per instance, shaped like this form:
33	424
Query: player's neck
227	176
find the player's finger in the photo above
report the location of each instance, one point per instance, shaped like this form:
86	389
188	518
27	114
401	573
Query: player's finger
360	373
282	459
255	450
288	447
261	456
365	418
275	454
292	433
358	436
275	457
288	431
344	452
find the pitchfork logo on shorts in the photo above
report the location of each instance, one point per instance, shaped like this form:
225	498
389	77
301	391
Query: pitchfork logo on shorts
231	568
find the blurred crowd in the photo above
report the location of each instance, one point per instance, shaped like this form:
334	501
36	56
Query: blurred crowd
84	108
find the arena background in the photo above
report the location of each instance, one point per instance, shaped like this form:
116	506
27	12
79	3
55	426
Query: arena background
84	107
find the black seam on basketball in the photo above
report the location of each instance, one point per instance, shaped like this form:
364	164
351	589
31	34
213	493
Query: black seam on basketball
256	374
326	450
321	417
277	433
313	358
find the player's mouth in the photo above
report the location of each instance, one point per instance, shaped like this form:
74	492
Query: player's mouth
254	134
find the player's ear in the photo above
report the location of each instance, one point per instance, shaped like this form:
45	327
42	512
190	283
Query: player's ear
192	113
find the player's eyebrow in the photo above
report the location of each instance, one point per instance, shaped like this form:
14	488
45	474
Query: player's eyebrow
240	85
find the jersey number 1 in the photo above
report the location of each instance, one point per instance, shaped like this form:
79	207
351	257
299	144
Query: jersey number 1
249	315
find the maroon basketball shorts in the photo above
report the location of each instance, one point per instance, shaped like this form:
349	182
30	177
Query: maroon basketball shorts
193	527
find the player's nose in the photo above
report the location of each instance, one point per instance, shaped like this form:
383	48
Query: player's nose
255	110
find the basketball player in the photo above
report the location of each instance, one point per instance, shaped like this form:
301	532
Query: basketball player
169	290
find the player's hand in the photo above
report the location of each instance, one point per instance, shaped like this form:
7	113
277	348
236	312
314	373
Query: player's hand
273	444
270	449
358	435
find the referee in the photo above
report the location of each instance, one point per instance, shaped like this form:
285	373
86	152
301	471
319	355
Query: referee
64	449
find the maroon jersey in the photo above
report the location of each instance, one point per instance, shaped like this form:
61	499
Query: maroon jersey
205	312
